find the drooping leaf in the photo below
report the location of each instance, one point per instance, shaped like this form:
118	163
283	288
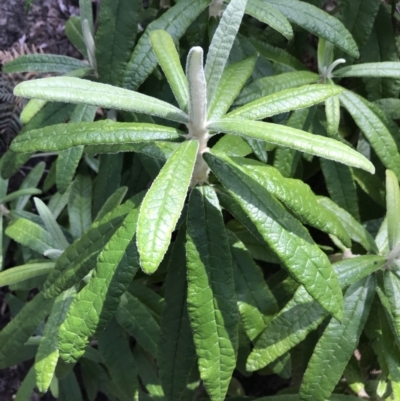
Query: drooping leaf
63	136
295	139
80	91
163	204
211	292
305	261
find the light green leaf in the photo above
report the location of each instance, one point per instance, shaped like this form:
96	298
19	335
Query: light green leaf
31	235
393	209
80	205
86	13
63	136
268	85
48	353
43	63
325	56
24	272
80	257
285	235
73	30
138	321
58	202
176	353
384	69
295	139
285	100
318	23
221	45
81	91
332	111
392	291
115	38
232	145
270	16
96	303
232	81
175	21
355	230
15	334
211	292
374	129
51	225
338	342
163	204
31	109
168	58
21	192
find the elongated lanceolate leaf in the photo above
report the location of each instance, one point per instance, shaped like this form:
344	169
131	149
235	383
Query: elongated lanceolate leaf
95	305
267	85
211	292
75	90
175	21
43	63
80	257
392	291
63	136
232	81
270	16
285	235
297	196
338	342
21	192
163	204
317	22
285	100
393	209
48	353
221	44
176	353
168	58
295	139
112	202
17	332
25	272
302	315
374	129
384	69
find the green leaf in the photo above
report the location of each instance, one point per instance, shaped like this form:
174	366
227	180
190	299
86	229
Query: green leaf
175	21
27	386
168	58
332	111
163	204
221	45
388	69
232	145
285	100
112	202
338	342
297	196
393	209
17	332
81	91
47	356
285	235
256	302
31	235
115	38
318	23
211	292
79	258
80	205
117	356
392	291
73	30
96	303
24	272
176	353
43	63
138	321
268	85
86	13
63	136
355	230
21	192
295	139
390	106
374	129
371	185
69	388
341	186
270	16
232	81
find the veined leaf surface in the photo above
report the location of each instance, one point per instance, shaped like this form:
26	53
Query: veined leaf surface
384	69
211	293
163	204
